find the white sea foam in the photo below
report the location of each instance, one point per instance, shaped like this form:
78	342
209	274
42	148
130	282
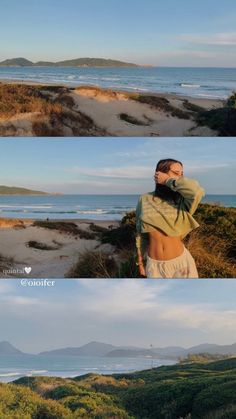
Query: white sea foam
25	207
190	85
98	211
208	96
10	374
38	371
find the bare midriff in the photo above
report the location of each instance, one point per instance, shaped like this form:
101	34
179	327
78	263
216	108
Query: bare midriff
162	247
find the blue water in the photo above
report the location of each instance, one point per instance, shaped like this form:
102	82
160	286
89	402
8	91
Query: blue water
94	207
16	366
196	82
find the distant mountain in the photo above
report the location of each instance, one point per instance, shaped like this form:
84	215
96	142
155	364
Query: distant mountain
169	351
213	349
13	190
78	62
130	353
16	62
7	349
90	349
103	349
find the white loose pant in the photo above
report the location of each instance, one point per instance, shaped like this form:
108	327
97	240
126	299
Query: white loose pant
182	266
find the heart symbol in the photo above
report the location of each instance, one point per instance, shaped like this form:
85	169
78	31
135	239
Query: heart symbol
28	269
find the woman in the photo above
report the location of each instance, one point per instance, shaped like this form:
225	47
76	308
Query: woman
163	219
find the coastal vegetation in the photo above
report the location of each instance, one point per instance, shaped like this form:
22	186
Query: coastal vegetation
92	263
203	357
222	119
213	246
132	120
5	263
54	110
193	390
43	246
65	227
49	111
161	104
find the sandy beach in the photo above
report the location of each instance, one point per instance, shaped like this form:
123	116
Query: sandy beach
65	248
93	111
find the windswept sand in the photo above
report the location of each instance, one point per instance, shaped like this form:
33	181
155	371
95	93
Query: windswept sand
103	108
15	234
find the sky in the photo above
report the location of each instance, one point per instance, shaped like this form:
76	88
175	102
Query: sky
119	312
114	165
163	32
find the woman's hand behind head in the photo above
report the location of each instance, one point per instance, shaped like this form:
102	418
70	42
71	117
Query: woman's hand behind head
161	177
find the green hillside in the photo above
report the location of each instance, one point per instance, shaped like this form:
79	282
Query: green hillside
188	391
13	190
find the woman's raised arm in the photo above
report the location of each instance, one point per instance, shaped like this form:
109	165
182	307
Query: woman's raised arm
190	190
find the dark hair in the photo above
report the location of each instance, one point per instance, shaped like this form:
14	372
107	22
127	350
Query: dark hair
164	191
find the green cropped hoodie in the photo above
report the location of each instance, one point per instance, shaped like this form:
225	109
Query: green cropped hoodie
172	218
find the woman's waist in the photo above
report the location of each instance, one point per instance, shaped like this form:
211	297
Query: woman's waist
162	247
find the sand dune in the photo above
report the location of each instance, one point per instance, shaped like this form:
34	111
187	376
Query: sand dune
105	108
15	254
92	111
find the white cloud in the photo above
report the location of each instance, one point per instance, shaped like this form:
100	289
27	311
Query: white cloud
95	309
204	167
5	287
204	317
219	39
128	172
119	298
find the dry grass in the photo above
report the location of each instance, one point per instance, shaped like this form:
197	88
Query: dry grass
132	120
92	264
210	256
161	104
11	222
51	110
108	93
212	245
5	263
43	246
66	228
17	99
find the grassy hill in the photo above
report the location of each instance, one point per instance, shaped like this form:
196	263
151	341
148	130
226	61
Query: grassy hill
13	190
77	62
189	391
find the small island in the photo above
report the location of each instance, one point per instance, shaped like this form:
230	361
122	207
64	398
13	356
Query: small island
13	190
77	62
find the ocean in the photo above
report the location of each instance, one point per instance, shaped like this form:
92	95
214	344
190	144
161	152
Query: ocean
195	82
16	366
94	207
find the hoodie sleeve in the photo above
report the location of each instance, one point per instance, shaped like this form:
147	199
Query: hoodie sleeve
189	189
